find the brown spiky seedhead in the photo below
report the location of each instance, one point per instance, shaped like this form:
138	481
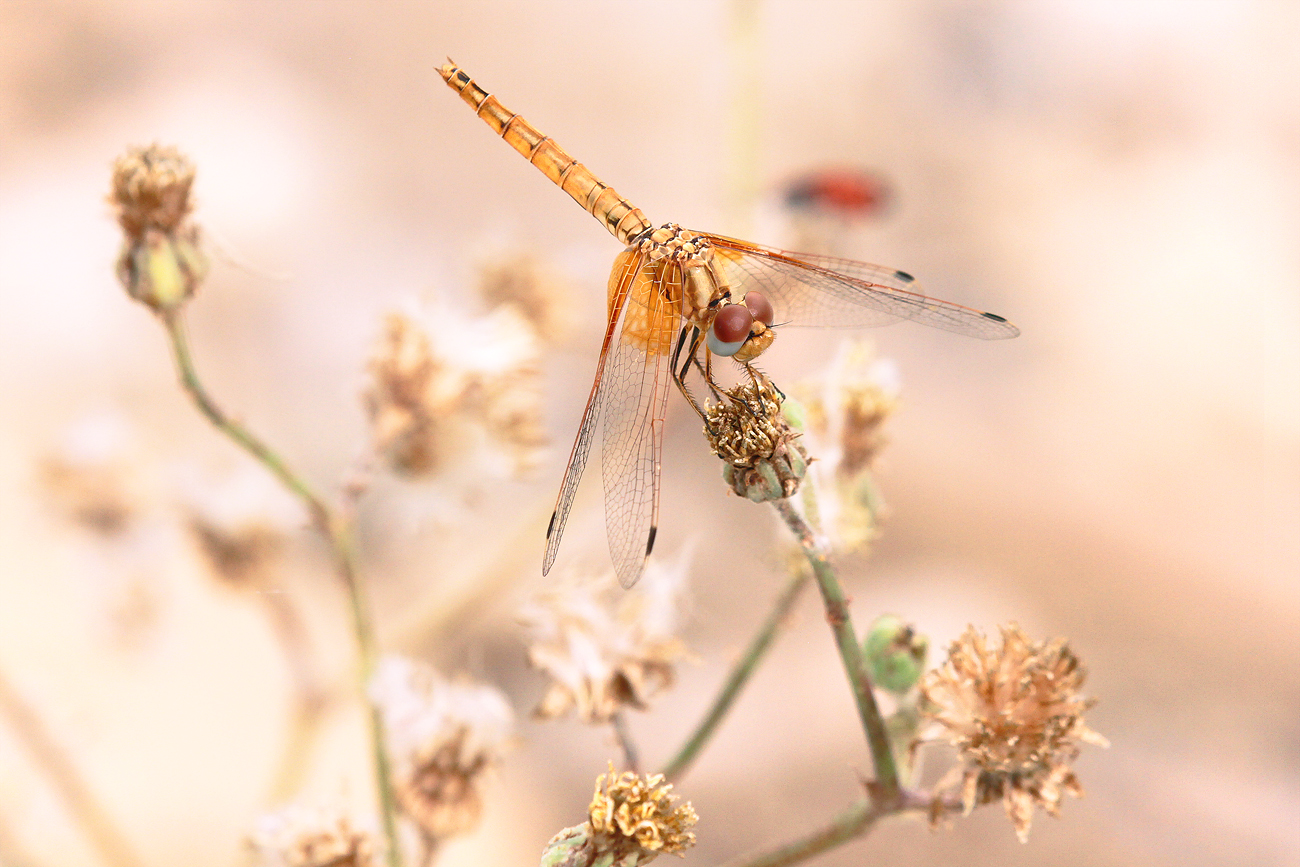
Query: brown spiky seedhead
1015	716
749	431
630	812
151	189
161	263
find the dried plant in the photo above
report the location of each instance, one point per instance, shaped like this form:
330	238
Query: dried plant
1015	715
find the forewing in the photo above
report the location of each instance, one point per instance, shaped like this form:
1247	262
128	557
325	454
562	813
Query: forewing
637	380
807	289
590	416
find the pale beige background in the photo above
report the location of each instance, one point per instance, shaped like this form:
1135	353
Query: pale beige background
1120	179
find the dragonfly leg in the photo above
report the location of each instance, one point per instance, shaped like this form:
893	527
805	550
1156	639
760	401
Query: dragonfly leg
689	334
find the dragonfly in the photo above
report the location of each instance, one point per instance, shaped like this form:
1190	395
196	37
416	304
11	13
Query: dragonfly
677	295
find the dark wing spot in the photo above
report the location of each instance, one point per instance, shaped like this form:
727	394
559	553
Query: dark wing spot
995	317
550	528
904	276
650	542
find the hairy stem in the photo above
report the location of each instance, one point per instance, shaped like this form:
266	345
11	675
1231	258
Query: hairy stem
885	792
339	535
735	682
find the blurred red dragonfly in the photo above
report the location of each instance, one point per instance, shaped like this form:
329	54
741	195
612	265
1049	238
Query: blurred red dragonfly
675	294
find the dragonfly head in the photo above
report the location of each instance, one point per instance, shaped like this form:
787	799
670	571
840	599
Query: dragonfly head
742	330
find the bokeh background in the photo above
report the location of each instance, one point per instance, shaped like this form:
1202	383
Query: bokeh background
1121	179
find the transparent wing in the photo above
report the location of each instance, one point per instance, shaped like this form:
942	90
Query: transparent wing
637	381
631	393
586	430
807	289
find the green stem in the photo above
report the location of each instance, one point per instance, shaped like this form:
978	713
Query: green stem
853	822
86	810
736	681
885	792
339	535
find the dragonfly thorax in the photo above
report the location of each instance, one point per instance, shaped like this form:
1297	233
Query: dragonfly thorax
688	257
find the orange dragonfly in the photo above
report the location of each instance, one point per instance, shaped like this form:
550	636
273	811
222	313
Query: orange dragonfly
676	294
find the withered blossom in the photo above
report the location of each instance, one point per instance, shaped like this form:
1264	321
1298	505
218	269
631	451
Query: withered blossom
304	837
605	649
634	811
630	821
1015	716
161	263
94	477
443	737
543	299
844	412
748	429
440	382
241	522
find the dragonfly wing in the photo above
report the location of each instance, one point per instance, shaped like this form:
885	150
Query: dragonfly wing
807	289
630	393
637	381
586	431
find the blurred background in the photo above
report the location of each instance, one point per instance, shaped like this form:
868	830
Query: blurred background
1120	179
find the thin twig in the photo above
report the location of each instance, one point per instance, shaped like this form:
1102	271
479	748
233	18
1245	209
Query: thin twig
736	680
339	535
886	789
853	822
631	756
107	840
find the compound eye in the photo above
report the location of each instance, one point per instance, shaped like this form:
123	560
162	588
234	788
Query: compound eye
760	307
730	329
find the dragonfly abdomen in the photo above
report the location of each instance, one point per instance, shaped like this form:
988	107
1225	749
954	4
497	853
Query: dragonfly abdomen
616	213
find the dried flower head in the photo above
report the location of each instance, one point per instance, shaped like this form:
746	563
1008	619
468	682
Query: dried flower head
241	521
443	737
301	837
539	295
845	410
435	390
628	811
748	429
1015	715
161	263
94	477
605	649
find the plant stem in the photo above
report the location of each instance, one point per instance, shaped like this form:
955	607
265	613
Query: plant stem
631	758
30	729
740	674
339	535
885	792
853	822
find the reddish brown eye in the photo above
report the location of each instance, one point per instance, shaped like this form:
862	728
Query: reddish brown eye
732	323
759	306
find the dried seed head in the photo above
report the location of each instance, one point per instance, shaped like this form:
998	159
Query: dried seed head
632	812
543	299
750	432
302	837
444	737
1015	715
605	649
161	263
151	189
95	477
241	521
846	408
435	389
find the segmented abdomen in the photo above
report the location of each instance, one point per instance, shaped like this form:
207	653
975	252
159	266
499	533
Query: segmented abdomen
615	212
